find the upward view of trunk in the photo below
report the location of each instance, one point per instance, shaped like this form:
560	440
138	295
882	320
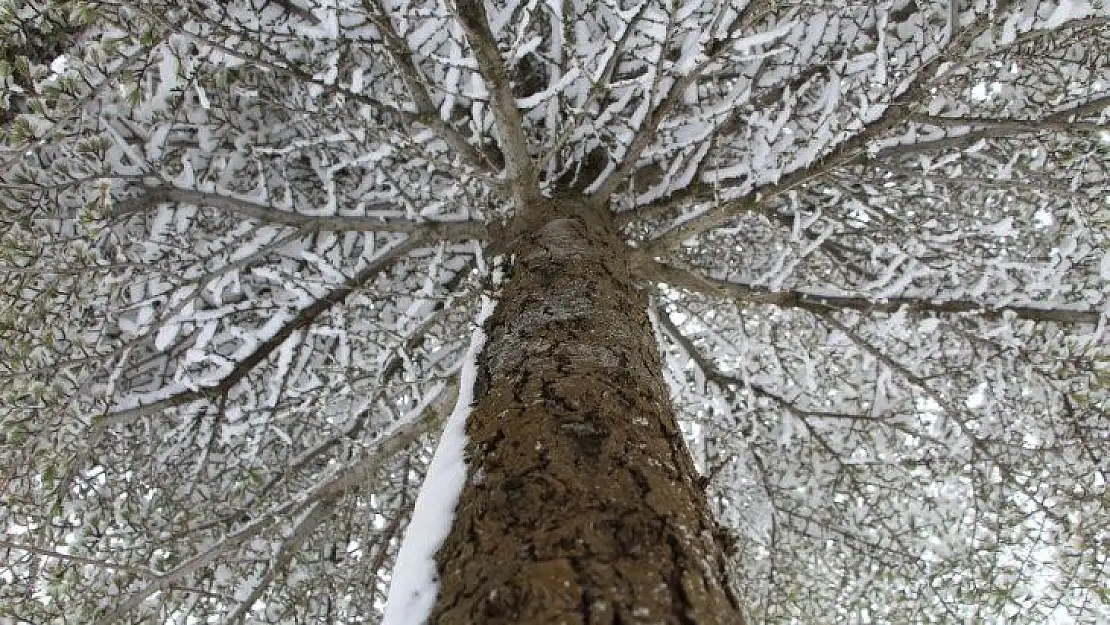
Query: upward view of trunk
581	503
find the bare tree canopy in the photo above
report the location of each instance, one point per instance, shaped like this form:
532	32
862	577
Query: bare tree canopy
244	245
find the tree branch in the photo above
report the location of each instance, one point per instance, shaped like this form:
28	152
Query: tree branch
950	408
646	134
852	151
300	13
1065	120
302	319
401	53
330	488
200	560
393	366
1006	127
598	86
280	561
510	125
65	557
820	302
899	109
291	69
725	381
268	214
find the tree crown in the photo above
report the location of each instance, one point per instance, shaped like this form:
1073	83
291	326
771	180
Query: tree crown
243	246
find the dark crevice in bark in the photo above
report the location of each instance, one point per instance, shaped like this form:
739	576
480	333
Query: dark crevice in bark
678	591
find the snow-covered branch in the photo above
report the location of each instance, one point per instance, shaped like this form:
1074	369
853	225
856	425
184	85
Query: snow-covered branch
200	560
66	557
393	367
401	54
510	126
302	319
689	280
265	213
981	443
320	498
671	96
279	562
1063	120
851	150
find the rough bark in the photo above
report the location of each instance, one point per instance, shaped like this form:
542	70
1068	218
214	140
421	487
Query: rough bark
581	504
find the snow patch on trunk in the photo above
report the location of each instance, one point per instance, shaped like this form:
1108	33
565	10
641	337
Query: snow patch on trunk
414	586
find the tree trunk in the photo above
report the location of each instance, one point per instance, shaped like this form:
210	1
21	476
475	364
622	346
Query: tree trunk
581	503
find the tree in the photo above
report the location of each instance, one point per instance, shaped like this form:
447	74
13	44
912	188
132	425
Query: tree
784	312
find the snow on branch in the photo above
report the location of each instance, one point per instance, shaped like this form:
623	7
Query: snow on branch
428	416
65	557
821	302
980	443
333	88
201	560
673	93
401	53
280	561
851	150
714	374
1064	120
319	500
392	368
302	319
302	14
268	214
510	125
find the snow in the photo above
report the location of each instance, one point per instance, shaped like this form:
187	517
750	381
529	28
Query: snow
202	97
1004	228
58	68
59	65
413	588
166	334
1068	10
328	27
1043	218
539	97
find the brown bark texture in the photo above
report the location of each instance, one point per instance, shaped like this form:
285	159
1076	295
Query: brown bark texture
581	503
